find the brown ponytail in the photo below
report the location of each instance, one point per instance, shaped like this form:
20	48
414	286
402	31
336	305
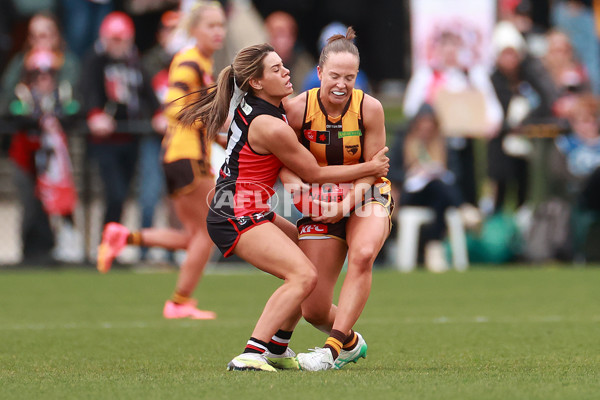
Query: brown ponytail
212	106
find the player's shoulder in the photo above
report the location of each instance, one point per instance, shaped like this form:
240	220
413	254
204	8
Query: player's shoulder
294	108
371	105
185	55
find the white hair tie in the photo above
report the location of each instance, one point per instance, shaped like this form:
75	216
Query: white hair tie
237	97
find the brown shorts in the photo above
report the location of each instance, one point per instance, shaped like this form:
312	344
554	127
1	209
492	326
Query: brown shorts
182	175
309	229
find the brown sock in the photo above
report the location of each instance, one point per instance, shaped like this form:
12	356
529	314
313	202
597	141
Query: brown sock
178	298
334	342
135	238
351	341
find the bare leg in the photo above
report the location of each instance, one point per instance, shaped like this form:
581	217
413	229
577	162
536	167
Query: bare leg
328	255
269	249
192	209
168	238
365	235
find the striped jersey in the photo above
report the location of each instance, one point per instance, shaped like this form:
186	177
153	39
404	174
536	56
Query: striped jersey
333	141
190	71
246	179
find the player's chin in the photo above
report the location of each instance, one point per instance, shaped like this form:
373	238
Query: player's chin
289	88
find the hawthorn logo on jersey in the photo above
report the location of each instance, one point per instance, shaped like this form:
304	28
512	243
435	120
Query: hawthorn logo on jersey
321	137
352	149
312	229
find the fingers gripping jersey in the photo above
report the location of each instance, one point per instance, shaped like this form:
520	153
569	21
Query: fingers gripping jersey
334	141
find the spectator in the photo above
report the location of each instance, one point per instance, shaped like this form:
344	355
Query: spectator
312	79
575	162
447	74
429	183
82	19
574	166
41	104
576	19
568	74
282	30
522	94
519	13
156	62
19	81
116	91
42	33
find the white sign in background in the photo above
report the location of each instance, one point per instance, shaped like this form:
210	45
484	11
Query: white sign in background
472	20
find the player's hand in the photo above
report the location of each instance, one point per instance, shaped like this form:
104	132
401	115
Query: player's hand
380	163
330	212
159	123
101	124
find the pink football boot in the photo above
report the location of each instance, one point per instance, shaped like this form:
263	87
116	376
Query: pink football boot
187	310
114	239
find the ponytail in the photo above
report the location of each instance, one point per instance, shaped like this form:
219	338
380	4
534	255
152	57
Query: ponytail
212	106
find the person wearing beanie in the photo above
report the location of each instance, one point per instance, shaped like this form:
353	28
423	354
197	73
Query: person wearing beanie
526	94
116	91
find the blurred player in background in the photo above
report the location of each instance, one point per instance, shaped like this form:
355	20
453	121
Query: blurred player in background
186	162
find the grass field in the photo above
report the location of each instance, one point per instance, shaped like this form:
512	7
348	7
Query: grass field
514	333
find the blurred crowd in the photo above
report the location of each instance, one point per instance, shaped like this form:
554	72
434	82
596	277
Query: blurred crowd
472	137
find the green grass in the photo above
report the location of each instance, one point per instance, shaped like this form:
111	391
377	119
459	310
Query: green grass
514	333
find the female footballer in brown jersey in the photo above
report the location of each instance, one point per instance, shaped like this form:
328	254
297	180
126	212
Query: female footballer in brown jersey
350	129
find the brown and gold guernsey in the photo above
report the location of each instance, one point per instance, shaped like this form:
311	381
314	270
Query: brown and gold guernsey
190	71
334	141
337	141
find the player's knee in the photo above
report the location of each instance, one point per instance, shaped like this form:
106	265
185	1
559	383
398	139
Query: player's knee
305	278
316	316
363	256
308	280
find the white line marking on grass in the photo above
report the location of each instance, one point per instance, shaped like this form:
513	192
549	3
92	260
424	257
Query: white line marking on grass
98	325
480	319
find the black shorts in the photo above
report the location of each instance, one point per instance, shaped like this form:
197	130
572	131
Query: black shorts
225	232
379	193
182	175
